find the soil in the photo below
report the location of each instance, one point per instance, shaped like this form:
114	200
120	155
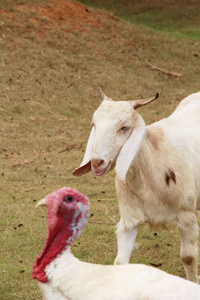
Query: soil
69	16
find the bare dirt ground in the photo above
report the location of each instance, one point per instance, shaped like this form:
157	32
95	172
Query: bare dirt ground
69	16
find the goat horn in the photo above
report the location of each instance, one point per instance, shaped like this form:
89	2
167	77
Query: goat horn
138	103
103	95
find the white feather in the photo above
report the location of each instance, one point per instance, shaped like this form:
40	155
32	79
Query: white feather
72	279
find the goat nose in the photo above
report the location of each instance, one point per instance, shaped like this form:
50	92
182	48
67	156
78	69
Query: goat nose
97	162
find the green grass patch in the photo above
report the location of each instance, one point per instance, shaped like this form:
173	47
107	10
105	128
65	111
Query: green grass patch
180	18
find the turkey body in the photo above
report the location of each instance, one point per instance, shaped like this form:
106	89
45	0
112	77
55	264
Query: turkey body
72	279
61	276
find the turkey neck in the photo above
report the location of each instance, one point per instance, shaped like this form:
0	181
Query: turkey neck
59	238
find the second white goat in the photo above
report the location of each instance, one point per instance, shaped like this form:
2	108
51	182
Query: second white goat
157	170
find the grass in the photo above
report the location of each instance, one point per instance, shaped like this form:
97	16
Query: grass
51	67
180	19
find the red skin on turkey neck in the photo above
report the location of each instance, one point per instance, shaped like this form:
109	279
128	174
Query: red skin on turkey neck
62	219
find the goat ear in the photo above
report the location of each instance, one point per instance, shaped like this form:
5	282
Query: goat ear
130	149
85	166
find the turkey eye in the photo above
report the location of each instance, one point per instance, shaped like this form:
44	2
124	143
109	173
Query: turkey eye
68	199
124	128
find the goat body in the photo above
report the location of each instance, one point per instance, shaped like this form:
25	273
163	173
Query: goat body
157	171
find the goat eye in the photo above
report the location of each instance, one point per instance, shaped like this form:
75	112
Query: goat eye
68	199
125	128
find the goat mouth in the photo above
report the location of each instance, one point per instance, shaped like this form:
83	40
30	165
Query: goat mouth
105	170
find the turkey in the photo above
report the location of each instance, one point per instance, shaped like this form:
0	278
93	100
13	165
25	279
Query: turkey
61	276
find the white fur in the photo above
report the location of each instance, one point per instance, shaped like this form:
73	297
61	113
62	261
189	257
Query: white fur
157	168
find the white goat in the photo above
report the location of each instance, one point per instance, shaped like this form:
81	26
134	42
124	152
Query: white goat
157	170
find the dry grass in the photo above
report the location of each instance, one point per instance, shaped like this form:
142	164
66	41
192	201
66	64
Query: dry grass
51	66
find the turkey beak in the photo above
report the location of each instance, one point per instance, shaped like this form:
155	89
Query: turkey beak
41	202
